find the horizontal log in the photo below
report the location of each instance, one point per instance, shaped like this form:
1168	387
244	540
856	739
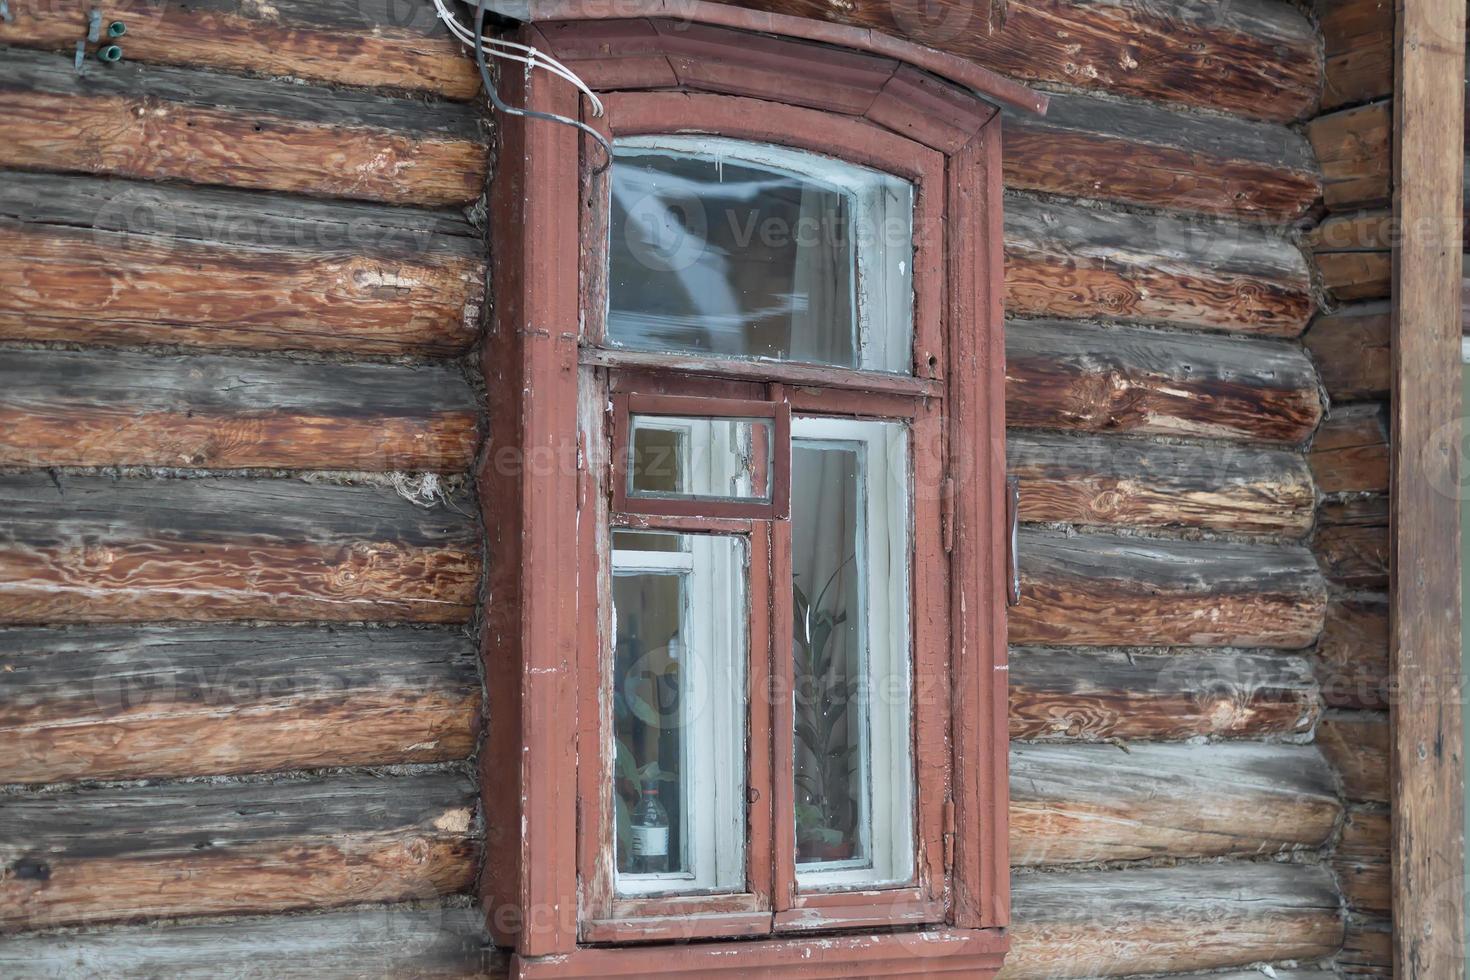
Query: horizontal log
374	43
1354	255
1254	58
1361	861
1065	260
91	549
109	703
1351	543
1352	277
111	261
1081	804
66	408
207	128
1097	590
396	940
1192	917
1352	656
1356	744
1352	352
1125	380
1350	452
1082	694
1121	151
1357	37
1082	479
204	849
1356	231
1354	147
1367	948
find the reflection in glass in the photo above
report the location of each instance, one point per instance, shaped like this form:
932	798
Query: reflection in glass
850	552
679	612
723	247
710	458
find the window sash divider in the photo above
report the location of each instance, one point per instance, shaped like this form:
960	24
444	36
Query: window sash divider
626	405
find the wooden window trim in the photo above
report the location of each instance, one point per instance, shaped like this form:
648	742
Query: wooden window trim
627	404
542	689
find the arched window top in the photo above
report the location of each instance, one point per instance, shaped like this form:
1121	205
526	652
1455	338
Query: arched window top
620	29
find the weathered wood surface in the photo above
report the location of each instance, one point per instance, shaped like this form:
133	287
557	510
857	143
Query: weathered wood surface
1099	590
79	549
1065	260
1350	453
1351	542
114	261
1085	480
1352	656
94	409
200	849
67	408
1254	58
1085	694
1080	804
1356	744
1426	754
143	702
1367	948
1194	917
1357	38
156	123
372	43
1361	863
1352	352
1354	148
1090	147
1125	380
391	941
1353	255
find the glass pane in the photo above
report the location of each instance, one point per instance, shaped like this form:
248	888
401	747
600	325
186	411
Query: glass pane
688	458
678	687
850	556
722	247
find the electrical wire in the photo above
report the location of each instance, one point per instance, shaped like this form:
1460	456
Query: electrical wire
501	48
501	106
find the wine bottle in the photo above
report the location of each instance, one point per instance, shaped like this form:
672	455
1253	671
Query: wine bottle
649	847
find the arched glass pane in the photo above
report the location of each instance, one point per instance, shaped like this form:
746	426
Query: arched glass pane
726	248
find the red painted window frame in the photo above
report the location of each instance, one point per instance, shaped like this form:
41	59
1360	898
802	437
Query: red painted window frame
775	506
543	514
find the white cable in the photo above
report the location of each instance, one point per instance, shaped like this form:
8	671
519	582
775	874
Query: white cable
497	48
537	59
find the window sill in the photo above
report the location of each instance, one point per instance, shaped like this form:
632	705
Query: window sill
971	953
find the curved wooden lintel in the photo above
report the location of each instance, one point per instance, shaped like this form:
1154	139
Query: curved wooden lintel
982	81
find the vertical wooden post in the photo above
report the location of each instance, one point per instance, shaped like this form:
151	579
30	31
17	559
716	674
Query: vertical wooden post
528	495
977	469
1427	768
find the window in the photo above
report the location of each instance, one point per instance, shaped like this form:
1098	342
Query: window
747	624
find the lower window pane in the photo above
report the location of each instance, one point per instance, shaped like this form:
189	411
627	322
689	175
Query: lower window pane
850	556
679	708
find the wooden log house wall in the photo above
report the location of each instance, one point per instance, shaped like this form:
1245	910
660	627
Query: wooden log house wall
1350	345
240	312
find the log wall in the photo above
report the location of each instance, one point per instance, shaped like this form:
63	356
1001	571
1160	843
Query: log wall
235	661
240	549
1349	343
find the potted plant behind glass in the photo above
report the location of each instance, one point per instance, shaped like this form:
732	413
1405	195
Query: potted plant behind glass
825	811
